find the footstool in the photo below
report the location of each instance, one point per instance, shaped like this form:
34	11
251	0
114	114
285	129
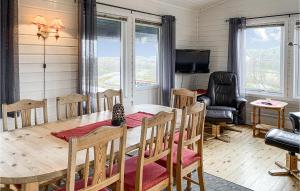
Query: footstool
218	119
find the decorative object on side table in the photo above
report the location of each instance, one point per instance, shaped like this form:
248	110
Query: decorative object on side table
269	104
118	115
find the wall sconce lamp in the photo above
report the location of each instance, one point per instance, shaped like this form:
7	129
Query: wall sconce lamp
43	31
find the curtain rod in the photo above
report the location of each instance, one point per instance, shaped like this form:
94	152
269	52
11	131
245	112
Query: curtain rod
128	9
268	16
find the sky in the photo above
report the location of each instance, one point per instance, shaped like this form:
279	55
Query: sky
263	38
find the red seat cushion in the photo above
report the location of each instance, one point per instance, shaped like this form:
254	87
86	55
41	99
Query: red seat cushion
176	136
189	157
79	184
152	174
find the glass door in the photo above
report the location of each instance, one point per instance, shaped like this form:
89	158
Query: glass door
109	47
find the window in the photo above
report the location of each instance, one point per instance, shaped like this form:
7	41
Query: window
146	55
109	43
296	45
263	59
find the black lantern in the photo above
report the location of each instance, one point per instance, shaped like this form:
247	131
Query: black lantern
118	116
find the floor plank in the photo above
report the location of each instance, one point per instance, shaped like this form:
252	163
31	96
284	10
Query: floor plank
246	161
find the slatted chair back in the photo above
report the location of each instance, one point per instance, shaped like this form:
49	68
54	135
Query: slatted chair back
25	107
107	99
182	97
157	139
73	104
102	143
192	121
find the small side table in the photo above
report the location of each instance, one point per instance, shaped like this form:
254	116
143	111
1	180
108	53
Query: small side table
258	105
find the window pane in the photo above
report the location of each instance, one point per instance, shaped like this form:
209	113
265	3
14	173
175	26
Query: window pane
146	55
263	58
109	54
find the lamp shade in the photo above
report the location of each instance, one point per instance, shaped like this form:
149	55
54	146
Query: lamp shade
57	24
40	21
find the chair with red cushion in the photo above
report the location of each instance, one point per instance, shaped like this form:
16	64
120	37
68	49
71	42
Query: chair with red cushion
141	172
189	148
98	141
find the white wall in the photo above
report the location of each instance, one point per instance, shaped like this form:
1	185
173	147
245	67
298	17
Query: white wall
62	54
213	35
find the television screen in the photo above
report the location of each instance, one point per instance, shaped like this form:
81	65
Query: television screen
192	61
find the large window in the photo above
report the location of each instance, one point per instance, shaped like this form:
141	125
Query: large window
263	59
296	45
109	53
146	55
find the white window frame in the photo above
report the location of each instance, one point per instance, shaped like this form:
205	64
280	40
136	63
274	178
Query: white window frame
284	57
128	53
295	38
157	85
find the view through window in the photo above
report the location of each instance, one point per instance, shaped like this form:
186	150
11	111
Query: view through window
109	54
263	59
146	55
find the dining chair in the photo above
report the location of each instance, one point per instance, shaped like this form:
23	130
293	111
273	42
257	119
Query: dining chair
182	97
141	172
74	105
108	98
188	153
24	107
107	145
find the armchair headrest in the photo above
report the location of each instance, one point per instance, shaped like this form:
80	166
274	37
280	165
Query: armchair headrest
224	78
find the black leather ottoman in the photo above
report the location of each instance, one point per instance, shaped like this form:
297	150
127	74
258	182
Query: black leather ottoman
218	119
289	141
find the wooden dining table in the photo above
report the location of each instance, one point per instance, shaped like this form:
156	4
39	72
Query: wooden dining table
29	156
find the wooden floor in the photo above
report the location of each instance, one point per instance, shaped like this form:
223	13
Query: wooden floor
246	161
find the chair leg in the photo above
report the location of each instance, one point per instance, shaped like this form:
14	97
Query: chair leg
178	181
201	178
189	182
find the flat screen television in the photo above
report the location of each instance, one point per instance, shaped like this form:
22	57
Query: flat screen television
192	61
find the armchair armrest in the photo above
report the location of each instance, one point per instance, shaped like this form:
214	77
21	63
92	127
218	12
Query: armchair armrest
240	103
205	99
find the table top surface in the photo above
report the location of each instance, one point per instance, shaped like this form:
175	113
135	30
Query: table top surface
271	104
34	155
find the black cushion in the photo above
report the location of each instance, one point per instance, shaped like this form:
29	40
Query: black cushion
224	108
219	116
282	139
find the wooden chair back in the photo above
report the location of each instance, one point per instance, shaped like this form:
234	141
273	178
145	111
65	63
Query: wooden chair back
73	104
108	99
157	138
102	142
192	121
182	97
25	108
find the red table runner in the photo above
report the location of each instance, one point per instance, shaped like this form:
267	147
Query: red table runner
132	120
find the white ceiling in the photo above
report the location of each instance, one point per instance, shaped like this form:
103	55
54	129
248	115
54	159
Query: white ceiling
193	4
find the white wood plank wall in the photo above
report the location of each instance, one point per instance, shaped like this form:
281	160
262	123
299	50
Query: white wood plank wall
213	35
61	54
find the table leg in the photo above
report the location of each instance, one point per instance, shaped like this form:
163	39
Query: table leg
279	120
259	117
30	186
254	121
283	118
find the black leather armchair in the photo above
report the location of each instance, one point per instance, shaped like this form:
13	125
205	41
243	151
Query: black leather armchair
223	94
289	141
295	119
